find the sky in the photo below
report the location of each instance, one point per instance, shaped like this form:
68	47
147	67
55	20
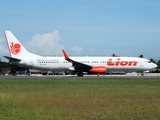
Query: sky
83	27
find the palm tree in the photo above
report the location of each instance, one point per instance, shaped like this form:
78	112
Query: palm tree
114	55
141	56
152	60
158	63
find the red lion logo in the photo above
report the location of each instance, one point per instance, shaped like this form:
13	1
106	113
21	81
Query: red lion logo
15	48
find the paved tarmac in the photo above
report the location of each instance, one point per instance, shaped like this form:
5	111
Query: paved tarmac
63	77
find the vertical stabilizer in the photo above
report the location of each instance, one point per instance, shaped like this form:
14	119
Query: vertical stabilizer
16	49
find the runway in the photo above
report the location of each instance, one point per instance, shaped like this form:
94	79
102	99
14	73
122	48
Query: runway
68	77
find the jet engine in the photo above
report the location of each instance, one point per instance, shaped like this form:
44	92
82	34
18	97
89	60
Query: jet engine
98	69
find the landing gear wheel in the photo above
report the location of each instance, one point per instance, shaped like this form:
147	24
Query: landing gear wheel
80	74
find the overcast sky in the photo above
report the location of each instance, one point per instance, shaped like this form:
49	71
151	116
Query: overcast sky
83	27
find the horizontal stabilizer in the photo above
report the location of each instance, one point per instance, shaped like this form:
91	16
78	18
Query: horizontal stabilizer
12	59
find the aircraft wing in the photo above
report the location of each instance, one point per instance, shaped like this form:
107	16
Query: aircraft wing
75	64
12	59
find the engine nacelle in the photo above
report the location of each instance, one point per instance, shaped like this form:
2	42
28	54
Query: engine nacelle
98	69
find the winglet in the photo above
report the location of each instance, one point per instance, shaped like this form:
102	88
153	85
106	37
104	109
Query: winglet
65	55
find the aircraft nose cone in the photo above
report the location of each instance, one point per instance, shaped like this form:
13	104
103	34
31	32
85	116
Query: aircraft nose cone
154	65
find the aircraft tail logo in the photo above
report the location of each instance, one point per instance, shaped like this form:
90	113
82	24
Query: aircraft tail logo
15	48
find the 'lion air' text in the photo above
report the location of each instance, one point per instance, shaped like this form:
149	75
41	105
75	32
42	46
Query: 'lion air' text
121	63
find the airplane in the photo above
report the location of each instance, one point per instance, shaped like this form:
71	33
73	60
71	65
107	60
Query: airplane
92	65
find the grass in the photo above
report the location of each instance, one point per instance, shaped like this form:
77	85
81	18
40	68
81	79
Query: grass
134	99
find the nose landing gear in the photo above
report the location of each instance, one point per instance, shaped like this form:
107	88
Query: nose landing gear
142	74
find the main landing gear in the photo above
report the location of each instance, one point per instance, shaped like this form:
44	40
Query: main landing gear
80	74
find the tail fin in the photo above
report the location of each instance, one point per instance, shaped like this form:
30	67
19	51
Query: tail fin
16	49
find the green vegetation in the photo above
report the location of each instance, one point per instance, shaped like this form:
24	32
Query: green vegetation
4	67
137	99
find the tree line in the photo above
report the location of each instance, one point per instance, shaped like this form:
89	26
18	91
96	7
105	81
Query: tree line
5	66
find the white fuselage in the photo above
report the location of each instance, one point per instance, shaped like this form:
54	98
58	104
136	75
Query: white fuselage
112	64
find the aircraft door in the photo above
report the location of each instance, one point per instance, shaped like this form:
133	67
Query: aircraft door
31	63
141	63
60	63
